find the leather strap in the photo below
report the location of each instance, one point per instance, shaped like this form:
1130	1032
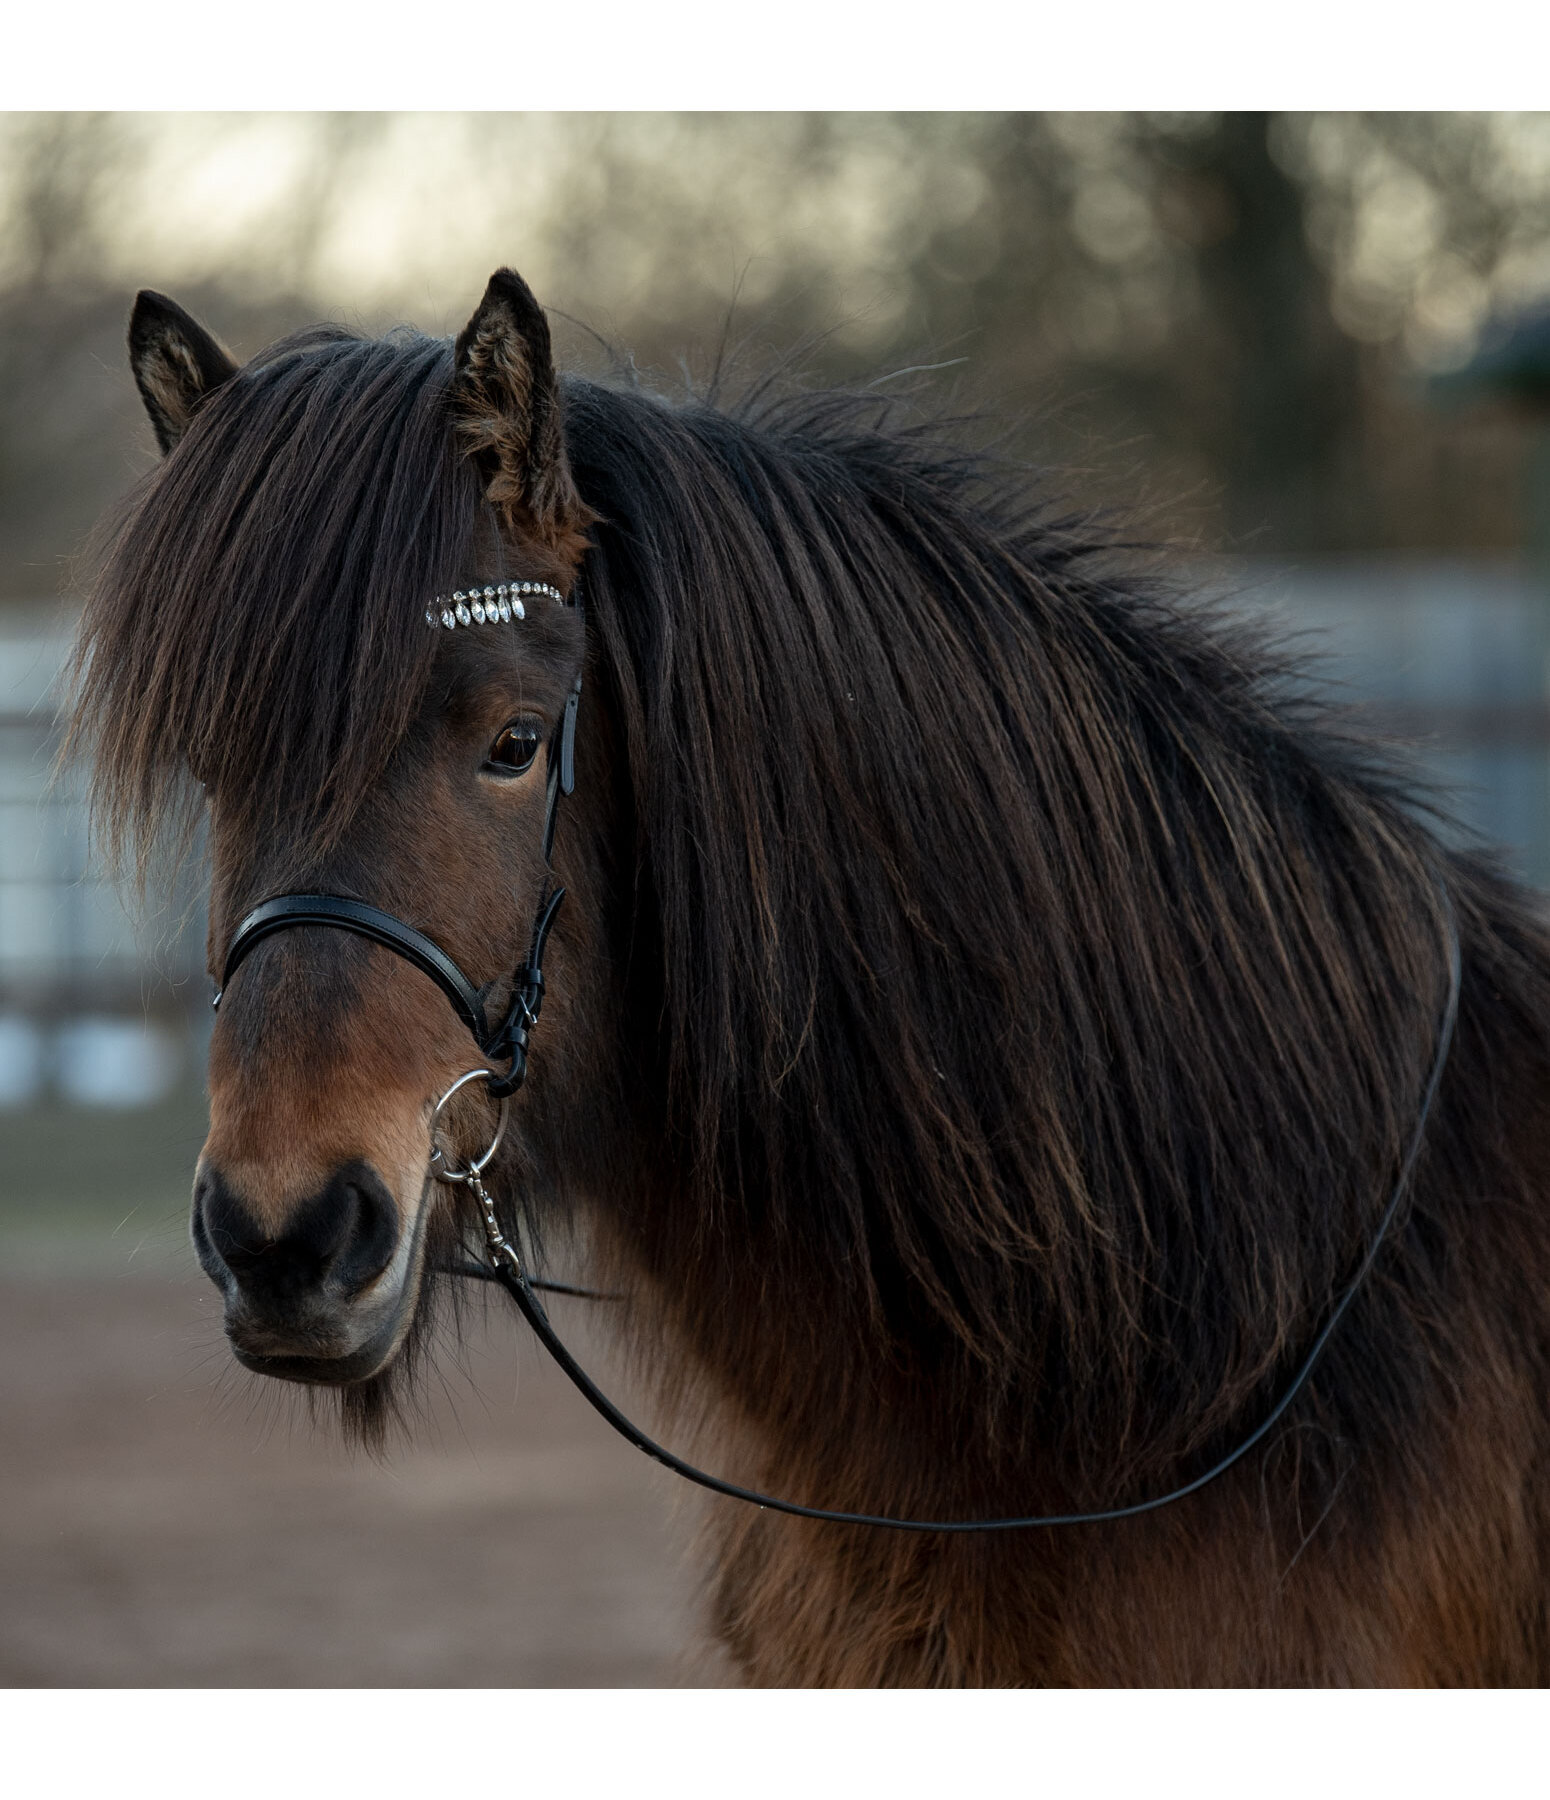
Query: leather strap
289	910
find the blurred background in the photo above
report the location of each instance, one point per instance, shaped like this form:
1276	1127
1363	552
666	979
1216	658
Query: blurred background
1310	351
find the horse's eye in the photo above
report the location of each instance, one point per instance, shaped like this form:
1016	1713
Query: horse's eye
513	751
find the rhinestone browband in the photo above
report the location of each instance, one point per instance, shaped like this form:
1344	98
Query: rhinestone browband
488	606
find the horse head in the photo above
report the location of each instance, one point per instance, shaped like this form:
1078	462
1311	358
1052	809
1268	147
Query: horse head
276	599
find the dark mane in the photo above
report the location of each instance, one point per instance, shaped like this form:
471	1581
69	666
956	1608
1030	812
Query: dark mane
1033	974
258	618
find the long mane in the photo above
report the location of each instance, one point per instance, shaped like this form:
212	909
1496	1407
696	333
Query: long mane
1043	988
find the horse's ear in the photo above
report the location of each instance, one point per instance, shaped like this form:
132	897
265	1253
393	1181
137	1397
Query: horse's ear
507	405
176	363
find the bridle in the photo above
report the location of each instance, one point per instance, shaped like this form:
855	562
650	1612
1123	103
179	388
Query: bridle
507	1040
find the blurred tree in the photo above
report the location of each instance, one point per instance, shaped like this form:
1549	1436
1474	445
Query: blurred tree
1285	381
72	434
1248	299
1227	314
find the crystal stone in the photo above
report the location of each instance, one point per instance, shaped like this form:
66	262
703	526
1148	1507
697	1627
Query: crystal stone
448	617
463	614
478	611
505	610
516	607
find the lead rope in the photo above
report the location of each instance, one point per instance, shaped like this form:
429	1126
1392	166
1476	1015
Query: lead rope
507	1267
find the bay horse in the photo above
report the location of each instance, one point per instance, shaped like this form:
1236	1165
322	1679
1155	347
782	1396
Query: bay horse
990	1019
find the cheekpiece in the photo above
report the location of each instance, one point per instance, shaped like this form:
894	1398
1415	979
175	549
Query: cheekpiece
497	605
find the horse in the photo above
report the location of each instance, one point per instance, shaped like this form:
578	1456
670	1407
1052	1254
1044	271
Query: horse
990	1022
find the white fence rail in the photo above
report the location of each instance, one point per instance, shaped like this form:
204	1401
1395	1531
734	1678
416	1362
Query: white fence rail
96	1006
1452	656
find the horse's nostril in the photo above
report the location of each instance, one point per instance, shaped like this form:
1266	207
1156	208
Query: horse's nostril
343	1237
368	1247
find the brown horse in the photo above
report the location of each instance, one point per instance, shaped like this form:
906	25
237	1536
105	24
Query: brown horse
988	1022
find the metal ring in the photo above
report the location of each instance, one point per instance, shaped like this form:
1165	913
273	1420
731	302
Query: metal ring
446	1172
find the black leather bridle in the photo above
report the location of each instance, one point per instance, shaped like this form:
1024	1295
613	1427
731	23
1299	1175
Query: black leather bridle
504	1041
507	1040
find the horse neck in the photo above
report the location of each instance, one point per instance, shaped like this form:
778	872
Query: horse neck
1089	1261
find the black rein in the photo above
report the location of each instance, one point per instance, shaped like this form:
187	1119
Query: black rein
383	928
509	1271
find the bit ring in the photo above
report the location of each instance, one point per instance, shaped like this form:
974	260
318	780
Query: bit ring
477	1167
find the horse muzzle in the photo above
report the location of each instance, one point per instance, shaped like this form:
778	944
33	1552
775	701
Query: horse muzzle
326	1294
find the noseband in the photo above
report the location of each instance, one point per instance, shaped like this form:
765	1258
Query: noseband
507	1040
504	1041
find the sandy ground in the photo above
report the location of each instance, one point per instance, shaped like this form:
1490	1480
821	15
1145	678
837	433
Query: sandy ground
166	1519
